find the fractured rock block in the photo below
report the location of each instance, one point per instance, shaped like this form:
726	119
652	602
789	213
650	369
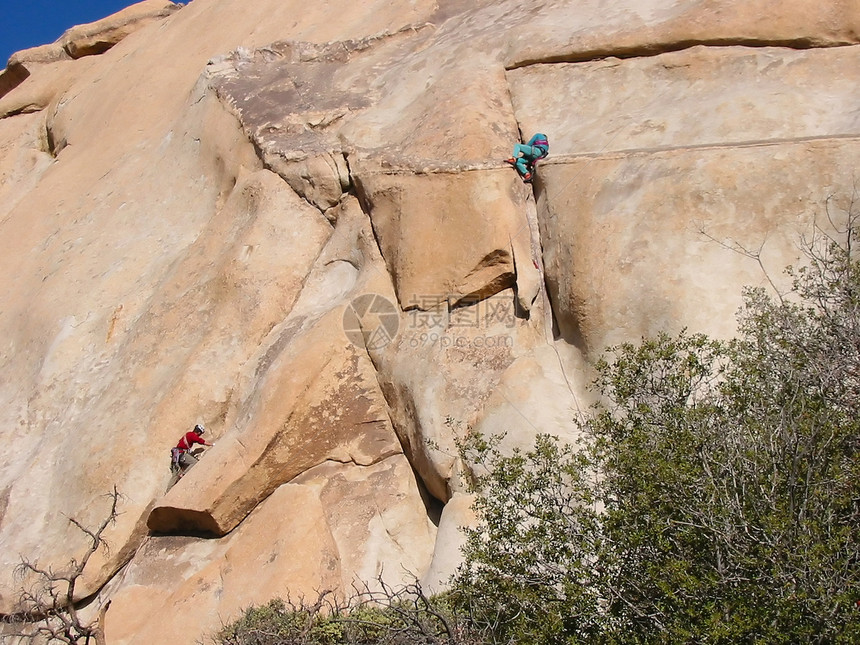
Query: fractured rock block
322	179
318	401
702	96
632	251
445	236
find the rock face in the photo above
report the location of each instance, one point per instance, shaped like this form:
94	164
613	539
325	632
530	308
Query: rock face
291	222
747	127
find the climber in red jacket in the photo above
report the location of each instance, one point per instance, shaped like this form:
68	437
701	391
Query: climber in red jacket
181	458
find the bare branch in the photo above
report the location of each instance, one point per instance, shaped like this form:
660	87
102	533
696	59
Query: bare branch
49	606
736	247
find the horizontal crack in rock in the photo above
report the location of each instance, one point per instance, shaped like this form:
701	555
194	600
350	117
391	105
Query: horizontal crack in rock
560	159
656	49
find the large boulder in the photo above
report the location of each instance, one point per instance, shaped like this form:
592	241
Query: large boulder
630	249
292	223
335	526
446	238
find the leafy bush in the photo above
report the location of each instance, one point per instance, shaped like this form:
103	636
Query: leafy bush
387	616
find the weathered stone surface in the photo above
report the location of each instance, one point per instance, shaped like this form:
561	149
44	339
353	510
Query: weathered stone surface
457	515
37	89
377	519
189	218
702	96
52	80
306	105
43	54
10	78
149	249
729	121
23	159
97	37
337	524
175	584
318	401
470	348
445	237
321	179
592	30
628	216
542	392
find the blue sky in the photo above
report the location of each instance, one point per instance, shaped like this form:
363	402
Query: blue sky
27	23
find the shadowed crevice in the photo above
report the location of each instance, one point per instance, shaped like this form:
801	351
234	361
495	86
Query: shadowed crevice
170	520
11	78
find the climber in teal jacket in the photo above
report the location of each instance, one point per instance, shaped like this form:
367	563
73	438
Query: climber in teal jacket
527	155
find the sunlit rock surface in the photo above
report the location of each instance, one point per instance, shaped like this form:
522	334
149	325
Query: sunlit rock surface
292	223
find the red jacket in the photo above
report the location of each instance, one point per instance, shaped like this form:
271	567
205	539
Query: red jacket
189	440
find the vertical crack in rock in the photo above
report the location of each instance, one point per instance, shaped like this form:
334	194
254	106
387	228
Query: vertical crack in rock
641	122
432	505
429	500
373	357
54	146
532	219
536	244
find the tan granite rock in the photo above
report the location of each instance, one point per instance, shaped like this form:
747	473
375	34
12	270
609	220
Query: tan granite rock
149	250
317	401
445	238
593	31
682	249
97	37
701	96
40	87
457	515
43	54
741	126
291	222
337	525
23	158
48	78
